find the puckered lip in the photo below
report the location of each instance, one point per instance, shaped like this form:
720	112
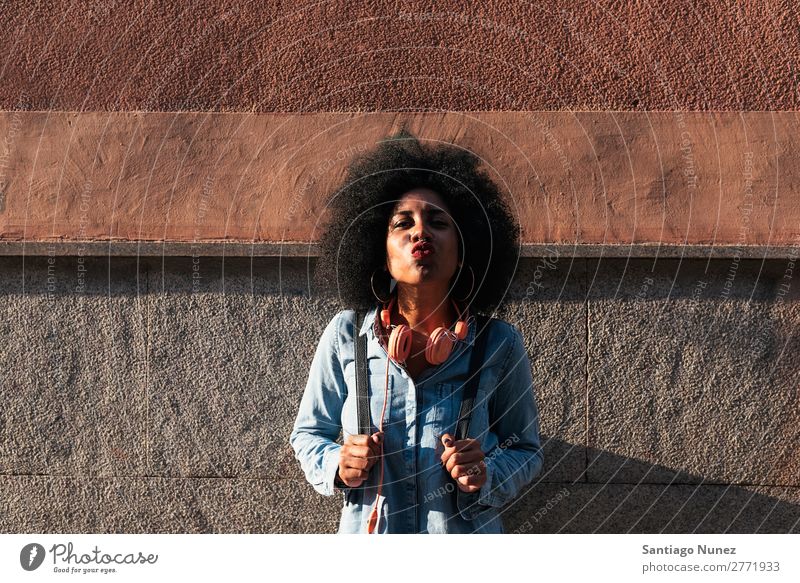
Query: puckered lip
422	246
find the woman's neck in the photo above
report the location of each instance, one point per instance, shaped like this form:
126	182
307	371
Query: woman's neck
423	312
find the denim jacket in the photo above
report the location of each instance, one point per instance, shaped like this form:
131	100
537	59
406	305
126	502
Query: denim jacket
418	495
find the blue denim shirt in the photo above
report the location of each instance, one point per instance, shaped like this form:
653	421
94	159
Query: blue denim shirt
418	495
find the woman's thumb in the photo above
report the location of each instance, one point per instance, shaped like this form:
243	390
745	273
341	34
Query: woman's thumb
447	440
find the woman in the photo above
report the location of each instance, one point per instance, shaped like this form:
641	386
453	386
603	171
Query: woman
419	239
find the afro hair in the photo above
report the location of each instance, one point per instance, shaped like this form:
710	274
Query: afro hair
352	245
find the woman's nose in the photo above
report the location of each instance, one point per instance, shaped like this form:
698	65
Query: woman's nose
421	232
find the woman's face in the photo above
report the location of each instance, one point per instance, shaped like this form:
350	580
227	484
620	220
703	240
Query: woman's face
422	214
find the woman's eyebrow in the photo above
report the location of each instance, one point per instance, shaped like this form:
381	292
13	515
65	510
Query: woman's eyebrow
430	211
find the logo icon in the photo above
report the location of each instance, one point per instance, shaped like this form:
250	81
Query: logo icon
31	556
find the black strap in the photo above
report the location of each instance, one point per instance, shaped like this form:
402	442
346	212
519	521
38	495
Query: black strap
362	383
471	386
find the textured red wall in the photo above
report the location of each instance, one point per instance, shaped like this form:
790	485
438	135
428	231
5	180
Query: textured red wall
613	178
381	55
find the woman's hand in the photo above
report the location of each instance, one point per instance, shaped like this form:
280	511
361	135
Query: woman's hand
358	454
463	460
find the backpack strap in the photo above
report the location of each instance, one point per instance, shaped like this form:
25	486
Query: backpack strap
471	386
362	382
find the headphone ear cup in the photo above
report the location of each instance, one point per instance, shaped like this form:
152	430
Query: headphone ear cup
400	343
439	346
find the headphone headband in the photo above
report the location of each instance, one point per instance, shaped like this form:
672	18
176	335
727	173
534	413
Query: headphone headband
439	345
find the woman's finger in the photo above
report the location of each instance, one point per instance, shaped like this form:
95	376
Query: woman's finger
351	475
451	446
467	470
470	480
358	463
448	451
466	444
357	440
464	457
361	451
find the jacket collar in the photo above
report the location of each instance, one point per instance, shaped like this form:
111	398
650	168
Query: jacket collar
371	320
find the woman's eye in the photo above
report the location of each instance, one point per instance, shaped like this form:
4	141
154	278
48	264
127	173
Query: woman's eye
407	223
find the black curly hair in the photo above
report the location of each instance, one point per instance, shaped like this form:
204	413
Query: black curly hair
353	243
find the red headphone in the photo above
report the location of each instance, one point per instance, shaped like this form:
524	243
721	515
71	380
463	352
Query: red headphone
440	342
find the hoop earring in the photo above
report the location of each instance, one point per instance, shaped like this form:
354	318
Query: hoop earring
472	287
372	286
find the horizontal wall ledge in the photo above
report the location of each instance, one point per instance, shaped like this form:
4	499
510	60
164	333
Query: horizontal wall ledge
305	249
633	179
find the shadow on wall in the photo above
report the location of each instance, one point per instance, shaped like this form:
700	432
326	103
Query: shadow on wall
685	503
140	401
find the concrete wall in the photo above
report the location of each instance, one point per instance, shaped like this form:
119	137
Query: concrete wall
146	403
